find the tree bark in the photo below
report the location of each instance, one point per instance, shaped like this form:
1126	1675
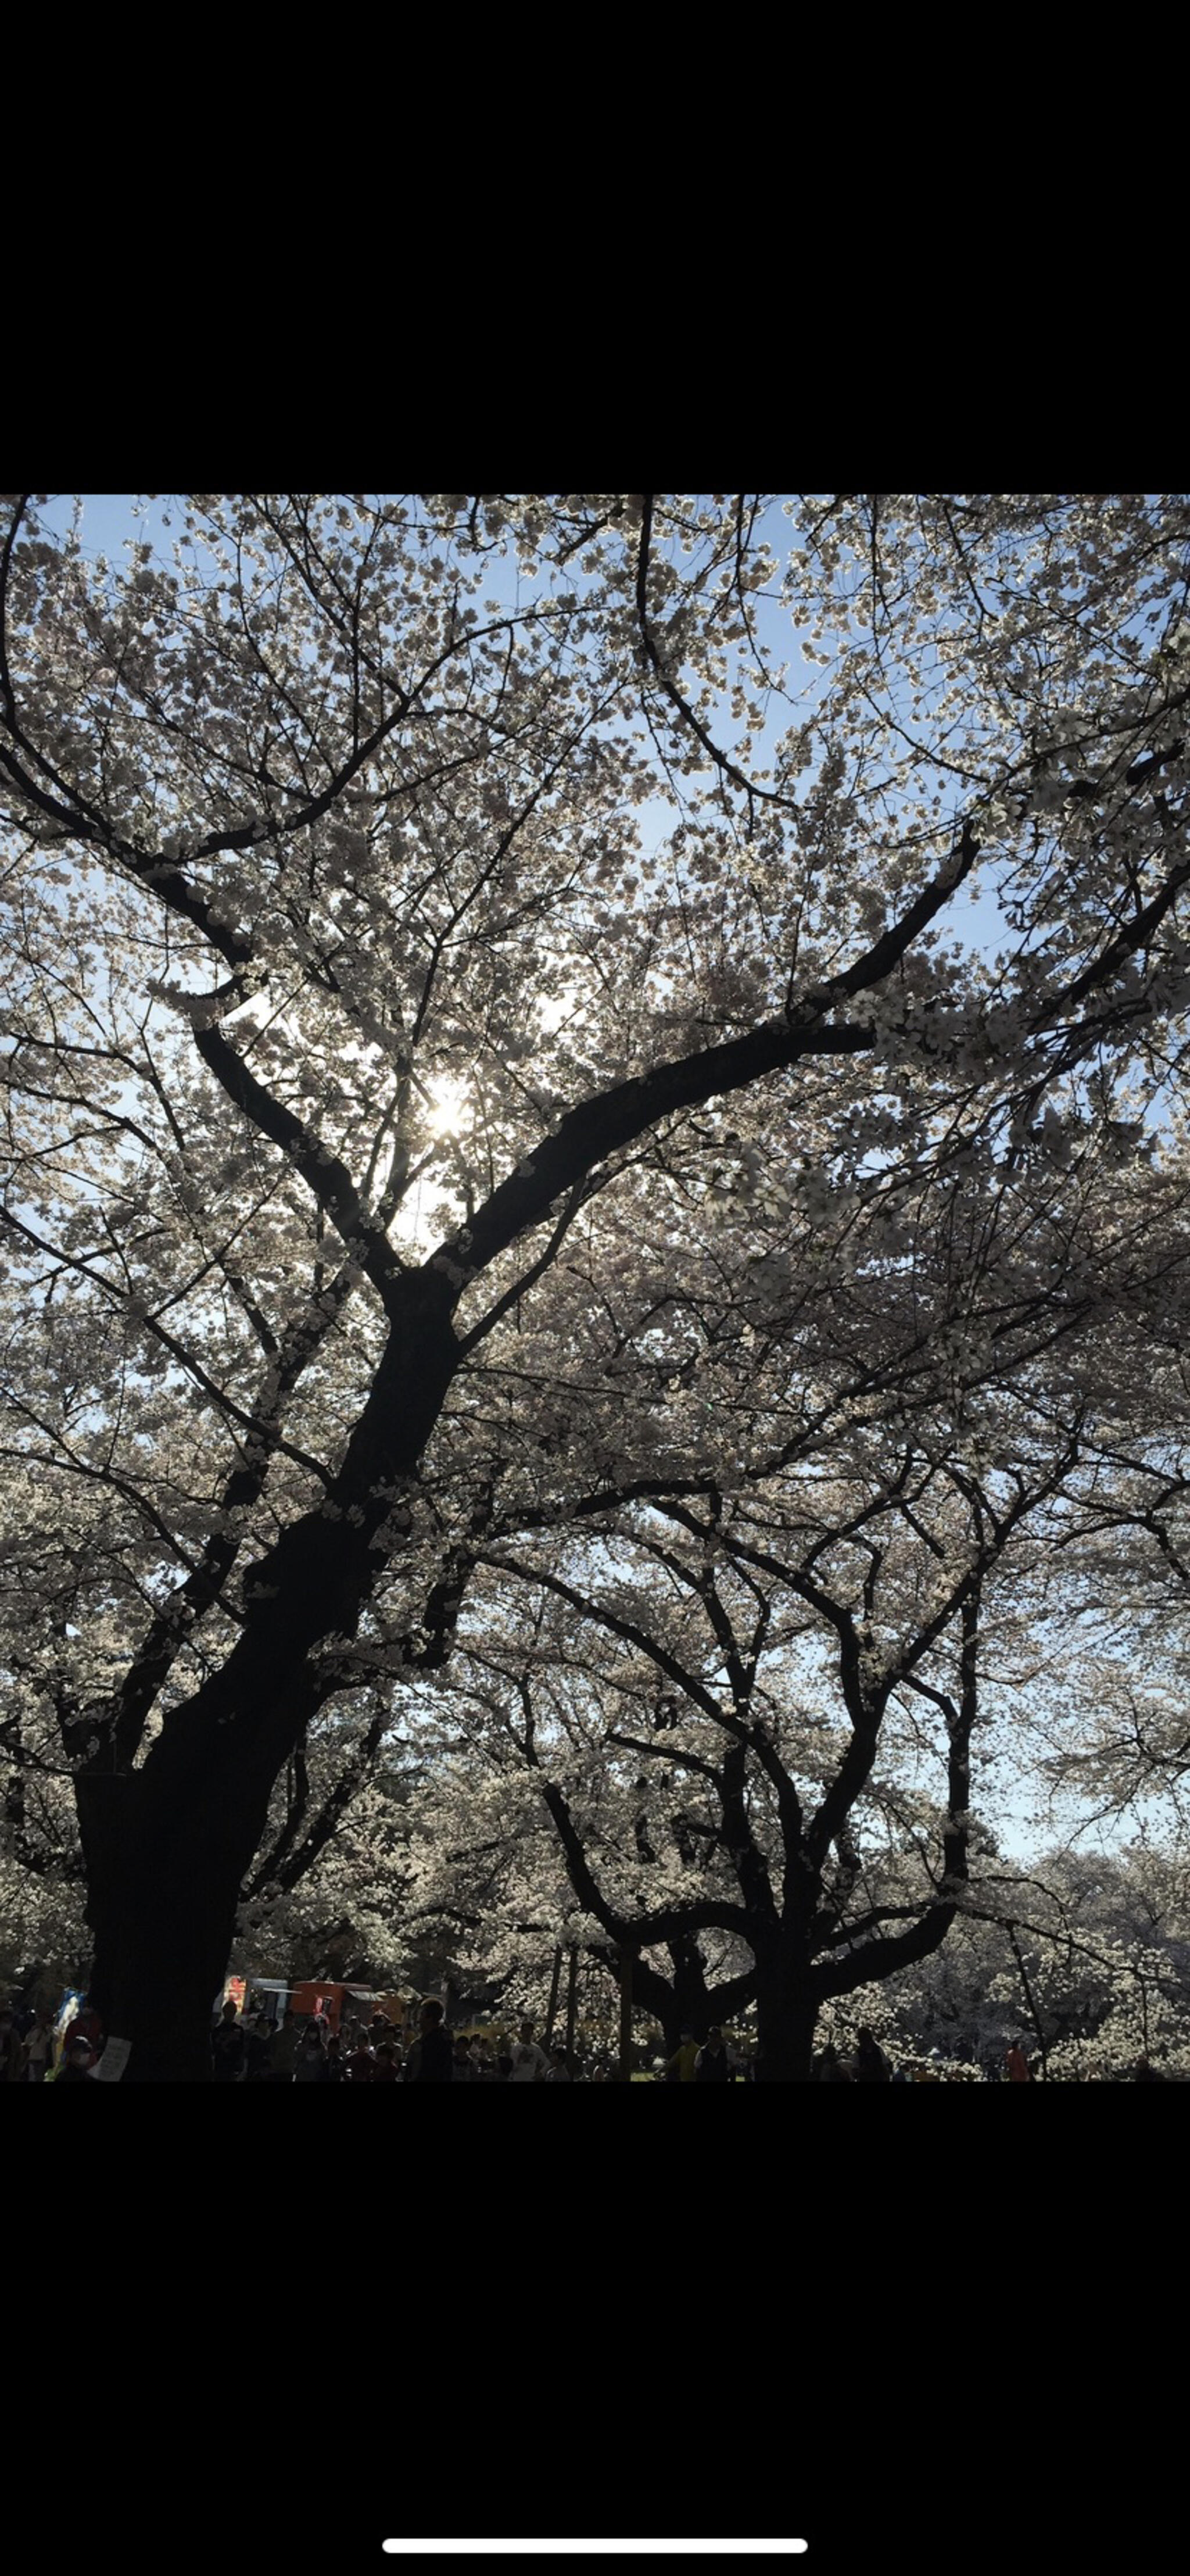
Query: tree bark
571	2002
162	1909
786	2014
625	2047
168	1846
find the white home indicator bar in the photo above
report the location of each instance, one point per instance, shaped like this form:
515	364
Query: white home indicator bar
593	2548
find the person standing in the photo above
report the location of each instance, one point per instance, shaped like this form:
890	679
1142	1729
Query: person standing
680	2067
76	2061
228	2047
871	2064
529	2062
39	2043
1017	2063
284	2052
12	2050
433	2049
310	2064
258	2048
713	2065
86	2025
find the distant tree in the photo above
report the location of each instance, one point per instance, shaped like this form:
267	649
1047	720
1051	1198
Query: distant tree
734	1717
1082	1954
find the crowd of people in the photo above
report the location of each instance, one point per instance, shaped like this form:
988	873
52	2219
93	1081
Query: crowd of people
38	2046
1009	2063
303	2049
869	2063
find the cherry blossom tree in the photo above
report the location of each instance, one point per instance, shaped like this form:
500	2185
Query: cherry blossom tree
432	927
740	1708
742	1724
1112	1741
1082	1954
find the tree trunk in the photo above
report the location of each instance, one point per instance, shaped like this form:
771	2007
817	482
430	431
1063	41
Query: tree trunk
168	1846
552	2007
625	2048
157	1974
165	1864
786	2013
685	2001
571	2003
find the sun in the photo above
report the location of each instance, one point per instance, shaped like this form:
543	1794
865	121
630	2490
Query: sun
446	1100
